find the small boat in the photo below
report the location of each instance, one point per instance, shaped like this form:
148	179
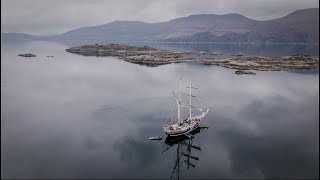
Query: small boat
155	138
183	126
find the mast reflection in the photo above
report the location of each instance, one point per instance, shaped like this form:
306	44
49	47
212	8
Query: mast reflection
184	147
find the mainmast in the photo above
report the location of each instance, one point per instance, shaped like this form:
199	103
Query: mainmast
179	115
180	104
190	101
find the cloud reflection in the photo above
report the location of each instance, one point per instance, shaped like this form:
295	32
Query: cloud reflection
91	117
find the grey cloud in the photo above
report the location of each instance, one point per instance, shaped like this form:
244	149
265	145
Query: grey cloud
41	17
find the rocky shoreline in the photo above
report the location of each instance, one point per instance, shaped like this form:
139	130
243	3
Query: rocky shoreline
149	56
139	55
260	63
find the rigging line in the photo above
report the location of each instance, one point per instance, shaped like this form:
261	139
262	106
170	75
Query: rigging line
166	149
181	76
176	97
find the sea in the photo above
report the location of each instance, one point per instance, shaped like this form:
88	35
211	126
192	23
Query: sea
73	116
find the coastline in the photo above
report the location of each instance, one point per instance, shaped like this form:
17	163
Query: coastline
152	57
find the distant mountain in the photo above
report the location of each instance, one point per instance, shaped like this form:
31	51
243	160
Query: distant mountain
301	26
117	30
17	37
176	28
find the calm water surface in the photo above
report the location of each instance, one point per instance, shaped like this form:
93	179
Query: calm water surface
72	116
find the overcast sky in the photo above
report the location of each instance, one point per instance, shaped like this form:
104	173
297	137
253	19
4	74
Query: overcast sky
45	17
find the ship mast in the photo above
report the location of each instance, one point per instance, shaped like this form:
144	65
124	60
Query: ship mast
179	115
190	101
180	104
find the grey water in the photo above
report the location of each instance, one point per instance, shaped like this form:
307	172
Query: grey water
72	116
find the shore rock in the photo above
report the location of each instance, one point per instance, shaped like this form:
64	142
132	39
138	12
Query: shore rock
244	72
27	55
215	53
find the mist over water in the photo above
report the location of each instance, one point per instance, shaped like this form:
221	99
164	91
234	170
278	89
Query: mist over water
73	116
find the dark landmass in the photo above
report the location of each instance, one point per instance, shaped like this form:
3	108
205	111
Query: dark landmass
260	63
139	55
244	72
27	55
152	57
300	26
18	37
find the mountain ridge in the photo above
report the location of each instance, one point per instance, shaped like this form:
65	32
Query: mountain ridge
300	26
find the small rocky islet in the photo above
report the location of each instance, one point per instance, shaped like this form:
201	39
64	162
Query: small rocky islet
27	55
244	72
149	56
31	55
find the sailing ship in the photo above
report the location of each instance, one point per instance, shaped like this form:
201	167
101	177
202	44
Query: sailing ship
180	126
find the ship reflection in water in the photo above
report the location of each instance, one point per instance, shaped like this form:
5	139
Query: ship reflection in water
184	157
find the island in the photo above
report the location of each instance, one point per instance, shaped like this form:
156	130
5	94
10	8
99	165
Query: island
261	63
139	55
149	56
27	55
